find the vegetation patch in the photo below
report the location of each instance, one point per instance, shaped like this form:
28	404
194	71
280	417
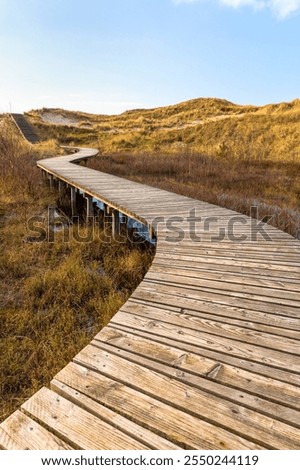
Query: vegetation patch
207	125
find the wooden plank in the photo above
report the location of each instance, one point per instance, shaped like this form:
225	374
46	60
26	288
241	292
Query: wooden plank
254	353
223	329
233	268
198	307
177	280
247	280
75	425
143	435
272	250
172	233
244	301
247	423
236	377
229	261
269	247
283	327
135	350
175	425
157	351
247	365
287	258
19	432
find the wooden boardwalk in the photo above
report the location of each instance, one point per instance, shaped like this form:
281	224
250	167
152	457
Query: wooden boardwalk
25	127
204	355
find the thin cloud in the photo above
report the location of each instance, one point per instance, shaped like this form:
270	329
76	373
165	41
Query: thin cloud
256	4
282	9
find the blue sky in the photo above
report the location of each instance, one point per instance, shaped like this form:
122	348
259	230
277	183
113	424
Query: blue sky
107	56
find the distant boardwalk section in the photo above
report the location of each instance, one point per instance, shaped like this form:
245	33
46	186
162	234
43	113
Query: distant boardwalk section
25	128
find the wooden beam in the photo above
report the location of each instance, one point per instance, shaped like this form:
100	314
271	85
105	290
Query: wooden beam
115	223
73	201
51	180
89	209
61	186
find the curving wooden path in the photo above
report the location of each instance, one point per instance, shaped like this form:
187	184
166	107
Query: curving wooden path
25	128
205	353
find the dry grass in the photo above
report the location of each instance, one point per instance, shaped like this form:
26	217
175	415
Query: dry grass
206	126
54	297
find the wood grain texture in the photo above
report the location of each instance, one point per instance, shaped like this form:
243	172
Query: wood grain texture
221	412
146	437
180	427
21	432
82	429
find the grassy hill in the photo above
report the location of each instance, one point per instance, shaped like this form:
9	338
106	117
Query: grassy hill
207	125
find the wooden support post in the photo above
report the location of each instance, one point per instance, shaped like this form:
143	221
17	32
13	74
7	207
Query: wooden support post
105	217
124	224
89	208
60	187
100	215
51	180
115	222
151	232
73	201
